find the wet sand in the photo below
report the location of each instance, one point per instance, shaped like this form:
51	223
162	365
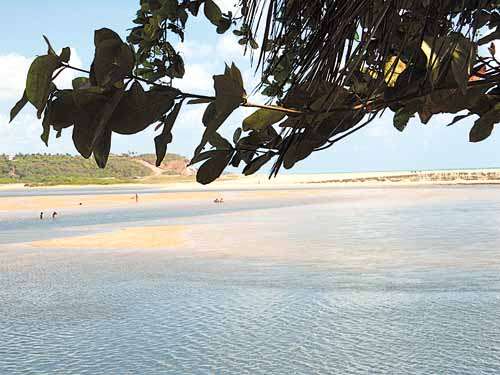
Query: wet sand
157	237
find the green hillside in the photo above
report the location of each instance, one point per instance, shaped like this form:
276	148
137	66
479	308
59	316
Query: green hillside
40	169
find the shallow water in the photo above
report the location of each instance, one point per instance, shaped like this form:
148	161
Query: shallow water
364	281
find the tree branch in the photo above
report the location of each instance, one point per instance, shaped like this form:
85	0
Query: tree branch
373	105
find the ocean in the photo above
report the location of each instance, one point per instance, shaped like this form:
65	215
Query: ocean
351	281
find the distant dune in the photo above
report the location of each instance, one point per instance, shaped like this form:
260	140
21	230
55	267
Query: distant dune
42	169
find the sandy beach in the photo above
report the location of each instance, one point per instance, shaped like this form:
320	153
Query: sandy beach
236	191
162	237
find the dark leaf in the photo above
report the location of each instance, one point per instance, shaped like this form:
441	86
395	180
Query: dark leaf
200	101
88	106
229	90
162	140
113	59
257	163
401	118
46	125
212	12
237	135
65	54
203	156
459	118
18	106
483	126
102	147
219	142
105	115
104	34
137	110
224	25
62	110
213	167
462	60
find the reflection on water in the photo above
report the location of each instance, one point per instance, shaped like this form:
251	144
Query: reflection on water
381	285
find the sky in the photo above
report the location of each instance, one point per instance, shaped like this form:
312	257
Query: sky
378	147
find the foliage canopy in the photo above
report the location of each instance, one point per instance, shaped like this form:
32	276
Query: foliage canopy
328	67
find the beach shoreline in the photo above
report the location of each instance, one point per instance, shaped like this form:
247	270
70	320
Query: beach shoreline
260	181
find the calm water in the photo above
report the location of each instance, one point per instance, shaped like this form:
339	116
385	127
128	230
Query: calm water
360	281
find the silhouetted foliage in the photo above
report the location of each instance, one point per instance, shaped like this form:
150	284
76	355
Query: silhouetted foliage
329	67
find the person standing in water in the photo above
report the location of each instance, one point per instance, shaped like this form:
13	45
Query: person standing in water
54	214
136	198
41	215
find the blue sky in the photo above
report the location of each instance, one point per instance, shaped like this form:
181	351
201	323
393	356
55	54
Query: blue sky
71	23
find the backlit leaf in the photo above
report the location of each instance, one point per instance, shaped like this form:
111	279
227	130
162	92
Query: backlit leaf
38	82
262	118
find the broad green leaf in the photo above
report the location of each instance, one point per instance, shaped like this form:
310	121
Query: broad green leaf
38	82
18	106
213	167
262	118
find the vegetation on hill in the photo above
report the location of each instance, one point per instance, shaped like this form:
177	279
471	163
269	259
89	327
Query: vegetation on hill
43	169
151	158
